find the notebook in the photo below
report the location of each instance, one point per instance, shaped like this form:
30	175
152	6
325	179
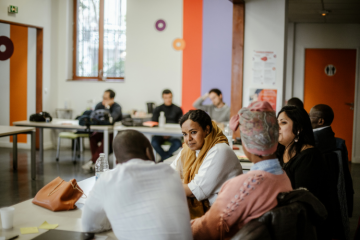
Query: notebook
54	234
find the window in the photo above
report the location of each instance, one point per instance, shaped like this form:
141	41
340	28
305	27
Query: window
99	40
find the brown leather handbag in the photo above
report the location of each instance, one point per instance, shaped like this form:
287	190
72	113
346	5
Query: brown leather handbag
59	195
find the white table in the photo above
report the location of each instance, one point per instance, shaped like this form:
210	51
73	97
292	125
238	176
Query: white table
28	214
170	129
66	124
14	131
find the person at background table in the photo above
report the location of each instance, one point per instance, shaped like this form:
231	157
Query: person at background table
218	110
249	195
205	162
173	114
295	102
304	163
108	102
321	117
138	199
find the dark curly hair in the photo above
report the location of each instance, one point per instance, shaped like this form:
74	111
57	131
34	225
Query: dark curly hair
199	116
301	128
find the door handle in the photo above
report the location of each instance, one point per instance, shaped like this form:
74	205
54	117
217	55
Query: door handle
351	105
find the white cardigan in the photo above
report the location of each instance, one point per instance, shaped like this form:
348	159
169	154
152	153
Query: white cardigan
220	164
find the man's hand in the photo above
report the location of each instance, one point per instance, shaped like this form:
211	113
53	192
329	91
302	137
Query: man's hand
205	96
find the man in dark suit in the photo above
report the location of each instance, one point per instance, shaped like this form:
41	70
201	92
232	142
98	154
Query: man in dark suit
321	117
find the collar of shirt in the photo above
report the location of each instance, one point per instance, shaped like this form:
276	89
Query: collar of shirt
197	152
137	161
269	165
321	128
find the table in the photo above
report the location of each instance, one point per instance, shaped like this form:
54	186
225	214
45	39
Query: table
14	131
28	214
170	129
66	124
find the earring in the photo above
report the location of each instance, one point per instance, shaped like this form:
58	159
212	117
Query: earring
297	137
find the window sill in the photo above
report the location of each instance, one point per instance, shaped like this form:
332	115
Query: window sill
118	80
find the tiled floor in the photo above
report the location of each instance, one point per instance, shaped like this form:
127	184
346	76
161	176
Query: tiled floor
17	186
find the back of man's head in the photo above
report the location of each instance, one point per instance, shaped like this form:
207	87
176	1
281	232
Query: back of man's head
325	112
295	102
129	144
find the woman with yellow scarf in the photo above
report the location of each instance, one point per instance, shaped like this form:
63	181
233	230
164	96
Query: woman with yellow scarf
205	162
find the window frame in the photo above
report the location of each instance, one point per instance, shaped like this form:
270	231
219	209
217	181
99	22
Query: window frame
101	48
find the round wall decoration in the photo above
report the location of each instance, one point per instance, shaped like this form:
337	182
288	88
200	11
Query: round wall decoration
6	48
330	70
179	44
160	25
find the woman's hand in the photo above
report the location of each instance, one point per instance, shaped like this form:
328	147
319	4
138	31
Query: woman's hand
188	192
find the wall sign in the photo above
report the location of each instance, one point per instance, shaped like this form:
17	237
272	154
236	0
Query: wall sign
264	68
160	25
6	48
330	70
179	44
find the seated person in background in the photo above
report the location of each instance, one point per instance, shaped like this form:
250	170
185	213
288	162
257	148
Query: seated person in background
321	117
295	102
172	115
98	137
304	163
218	111
249	195
138	199
205	162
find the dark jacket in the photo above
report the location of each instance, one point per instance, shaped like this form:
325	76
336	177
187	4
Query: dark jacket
115	111
172	113
295	217
309	170
326	142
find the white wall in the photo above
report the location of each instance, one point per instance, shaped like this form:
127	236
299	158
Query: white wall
265	30
151	63
38	13
326	36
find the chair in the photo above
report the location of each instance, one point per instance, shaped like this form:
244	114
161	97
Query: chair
294	218
72	136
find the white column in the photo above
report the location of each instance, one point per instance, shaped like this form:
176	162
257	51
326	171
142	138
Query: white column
265	30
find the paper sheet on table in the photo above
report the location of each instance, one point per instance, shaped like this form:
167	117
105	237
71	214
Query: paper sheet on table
46	225
29	230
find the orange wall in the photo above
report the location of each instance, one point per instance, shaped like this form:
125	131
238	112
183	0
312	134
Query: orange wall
192	34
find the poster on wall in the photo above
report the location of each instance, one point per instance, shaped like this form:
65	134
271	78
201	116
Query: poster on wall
264	67
268	95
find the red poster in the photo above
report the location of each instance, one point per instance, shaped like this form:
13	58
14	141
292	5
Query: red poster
268	95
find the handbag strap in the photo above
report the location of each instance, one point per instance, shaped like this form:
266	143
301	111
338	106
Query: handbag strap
74	187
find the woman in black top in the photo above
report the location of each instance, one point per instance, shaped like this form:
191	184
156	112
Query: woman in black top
302	162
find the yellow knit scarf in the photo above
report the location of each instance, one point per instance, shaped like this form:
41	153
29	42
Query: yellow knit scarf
190	166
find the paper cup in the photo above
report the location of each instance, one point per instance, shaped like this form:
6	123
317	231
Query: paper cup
7	217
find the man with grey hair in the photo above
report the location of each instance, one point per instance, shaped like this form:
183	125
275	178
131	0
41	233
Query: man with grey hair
138	199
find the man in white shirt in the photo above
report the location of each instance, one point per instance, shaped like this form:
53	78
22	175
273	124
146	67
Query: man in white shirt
139	199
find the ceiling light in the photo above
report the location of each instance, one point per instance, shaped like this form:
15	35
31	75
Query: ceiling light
324	12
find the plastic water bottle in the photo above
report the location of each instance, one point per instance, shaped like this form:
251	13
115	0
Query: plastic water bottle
229	134
162	120
101	166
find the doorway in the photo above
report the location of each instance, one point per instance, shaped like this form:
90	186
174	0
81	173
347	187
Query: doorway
21	69
330	79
